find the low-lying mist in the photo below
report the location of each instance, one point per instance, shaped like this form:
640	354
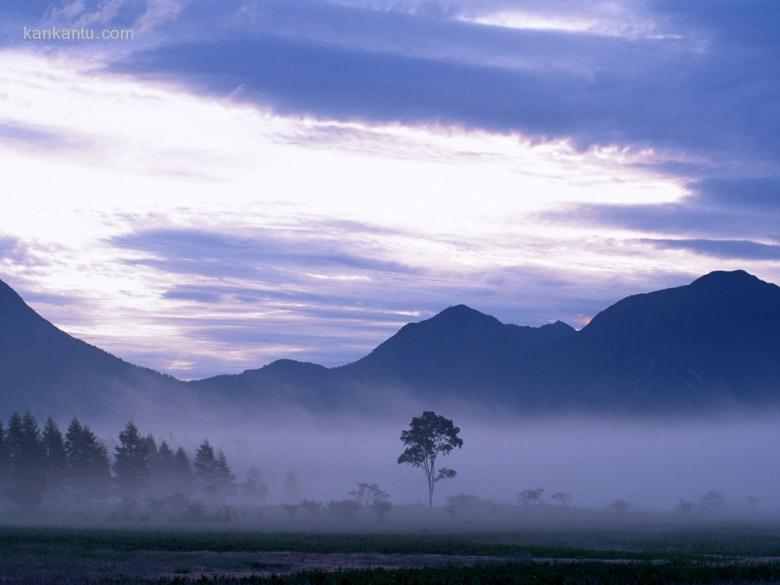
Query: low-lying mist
687	469
650	464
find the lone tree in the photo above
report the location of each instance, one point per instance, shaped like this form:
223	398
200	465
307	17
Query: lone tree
429	436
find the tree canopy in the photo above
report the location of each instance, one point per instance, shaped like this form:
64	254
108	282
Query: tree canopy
429	437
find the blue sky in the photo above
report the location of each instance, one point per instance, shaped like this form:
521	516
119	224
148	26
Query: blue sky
245	180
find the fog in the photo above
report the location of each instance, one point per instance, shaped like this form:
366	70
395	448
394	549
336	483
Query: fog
650	464
607	466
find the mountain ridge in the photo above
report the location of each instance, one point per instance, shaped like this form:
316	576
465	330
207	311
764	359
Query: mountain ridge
713	341
57	369
716	337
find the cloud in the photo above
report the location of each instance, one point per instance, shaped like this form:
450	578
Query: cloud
748	23
671	218
296	77
160	12
12	250
595	13
755	193
142	15
14	11
698	83
691	93
31	136
208	253
738	249
716	209
327	301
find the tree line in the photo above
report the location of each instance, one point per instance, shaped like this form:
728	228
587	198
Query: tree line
38	464
45	463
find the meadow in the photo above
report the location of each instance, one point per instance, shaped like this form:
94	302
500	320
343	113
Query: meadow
728	552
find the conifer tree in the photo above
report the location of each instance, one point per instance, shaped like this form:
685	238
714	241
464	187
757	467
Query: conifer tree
165	454
151	446
182	471
87	471
161	470
291	488
254	488
131	463
225	480
205	468
3	456
26	462
162	462
56	460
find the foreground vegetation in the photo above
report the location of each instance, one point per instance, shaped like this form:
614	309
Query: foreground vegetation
727	540
719	554
522	574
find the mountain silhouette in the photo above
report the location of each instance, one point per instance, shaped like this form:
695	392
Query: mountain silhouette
281	382
46	370
714	340
457	353
710	344
460	350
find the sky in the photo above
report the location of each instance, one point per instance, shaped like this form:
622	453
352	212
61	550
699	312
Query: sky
248	180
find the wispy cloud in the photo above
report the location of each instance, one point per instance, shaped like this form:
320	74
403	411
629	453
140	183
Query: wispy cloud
734	207
11	249
741	249
289	255
760	194
31	136
142	16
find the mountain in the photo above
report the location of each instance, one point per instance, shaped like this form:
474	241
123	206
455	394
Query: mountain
281	382
716	340
460	350
707	345
458	353
46	370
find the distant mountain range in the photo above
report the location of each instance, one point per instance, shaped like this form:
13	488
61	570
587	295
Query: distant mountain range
712	344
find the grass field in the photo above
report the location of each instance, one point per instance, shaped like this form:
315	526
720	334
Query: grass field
715	554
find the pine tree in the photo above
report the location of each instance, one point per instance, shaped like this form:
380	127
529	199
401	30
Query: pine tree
27	462
163	460
205	468
56	460
224	478
161	470
5	471
165	454
131	463
182	471
254	487
151	447
87	472
14	438
3	456
291	488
